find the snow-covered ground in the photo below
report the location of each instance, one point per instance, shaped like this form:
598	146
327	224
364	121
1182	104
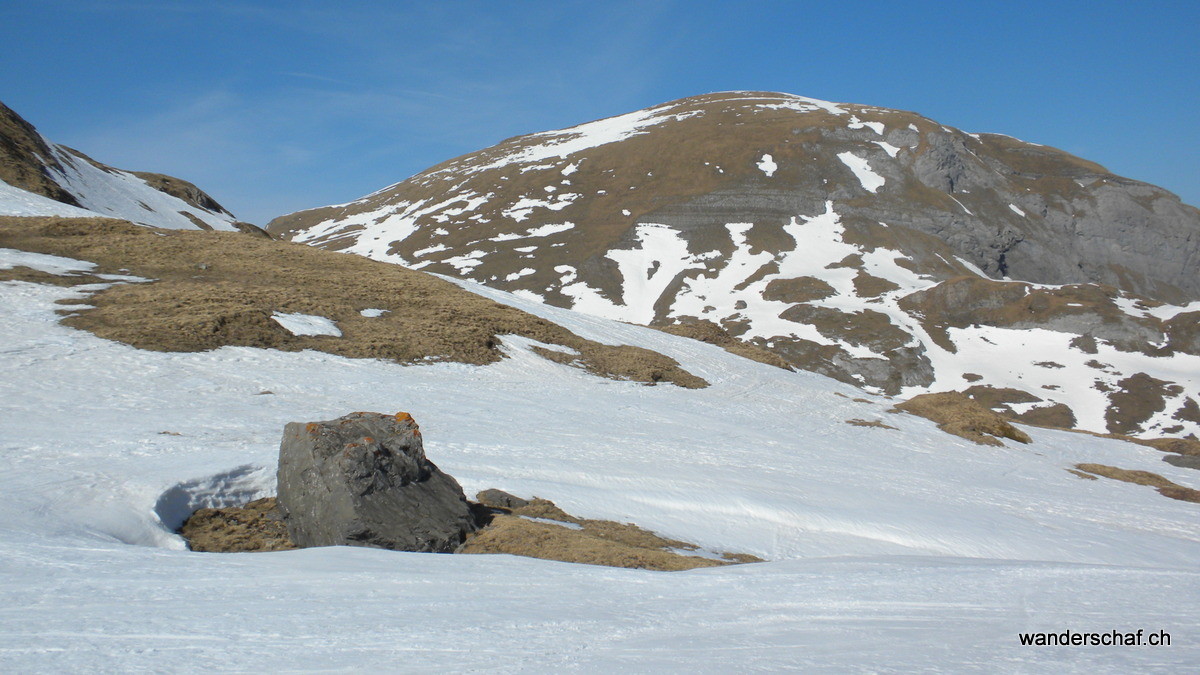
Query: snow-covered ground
888	549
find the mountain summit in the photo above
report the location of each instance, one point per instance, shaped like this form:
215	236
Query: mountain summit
872	245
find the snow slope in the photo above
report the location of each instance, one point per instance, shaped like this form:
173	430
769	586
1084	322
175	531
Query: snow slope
120	194
17	202
888	549
99	189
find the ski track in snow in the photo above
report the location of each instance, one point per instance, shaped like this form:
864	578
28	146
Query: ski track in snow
905	550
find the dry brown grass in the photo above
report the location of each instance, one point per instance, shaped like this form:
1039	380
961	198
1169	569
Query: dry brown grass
1136	400
707	331
869	423
595	542
1164	486
214	289
253	527
257	527
1182	446
957	414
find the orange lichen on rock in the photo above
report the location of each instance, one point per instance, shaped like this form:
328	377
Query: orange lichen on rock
312	427
404	417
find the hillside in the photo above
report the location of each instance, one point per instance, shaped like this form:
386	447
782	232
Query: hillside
889	543
874	246
41	178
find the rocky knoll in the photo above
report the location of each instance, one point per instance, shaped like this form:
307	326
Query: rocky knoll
822	232
363	480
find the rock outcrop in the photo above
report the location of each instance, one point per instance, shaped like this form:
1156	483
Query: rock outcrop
363	480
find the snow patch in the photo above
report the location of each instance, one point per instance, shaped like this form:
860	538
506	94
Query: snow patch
17	202
870	181
307	324
877	127
890	149
41	262
767	165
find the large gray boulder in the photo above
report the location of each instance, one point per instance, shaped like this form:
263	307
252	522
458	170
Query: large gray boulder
363	480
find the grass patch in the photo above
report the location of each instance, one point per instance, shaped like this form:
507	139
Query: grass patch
581	540
257	526
534	528
707	331
1165	487
957	414
213	289
869	423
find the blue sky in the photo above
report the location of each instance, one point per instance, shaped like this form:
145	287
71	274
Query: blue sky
274	107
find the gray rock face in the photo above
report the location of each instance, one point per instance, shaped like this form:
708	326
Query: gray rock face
363	480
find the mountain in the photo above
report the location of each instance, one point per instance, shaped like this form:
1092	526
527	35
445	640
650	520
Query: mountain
41	178
871	245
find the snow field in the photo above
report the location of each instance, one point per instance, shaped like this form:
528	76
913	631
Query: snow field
889	549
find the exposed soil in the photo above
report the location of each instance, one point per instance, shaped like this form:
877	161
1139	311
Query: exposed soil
957	414
213	289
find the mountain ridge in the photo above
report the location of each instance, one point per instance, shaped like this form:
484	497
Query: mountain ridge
37	175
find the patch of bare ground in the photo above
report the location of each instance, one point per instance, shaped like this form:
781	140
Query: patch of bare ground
707	331
534	528
539	529
213	289
1000	399
1136	400
957	414
257	526
869	423
1165	487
